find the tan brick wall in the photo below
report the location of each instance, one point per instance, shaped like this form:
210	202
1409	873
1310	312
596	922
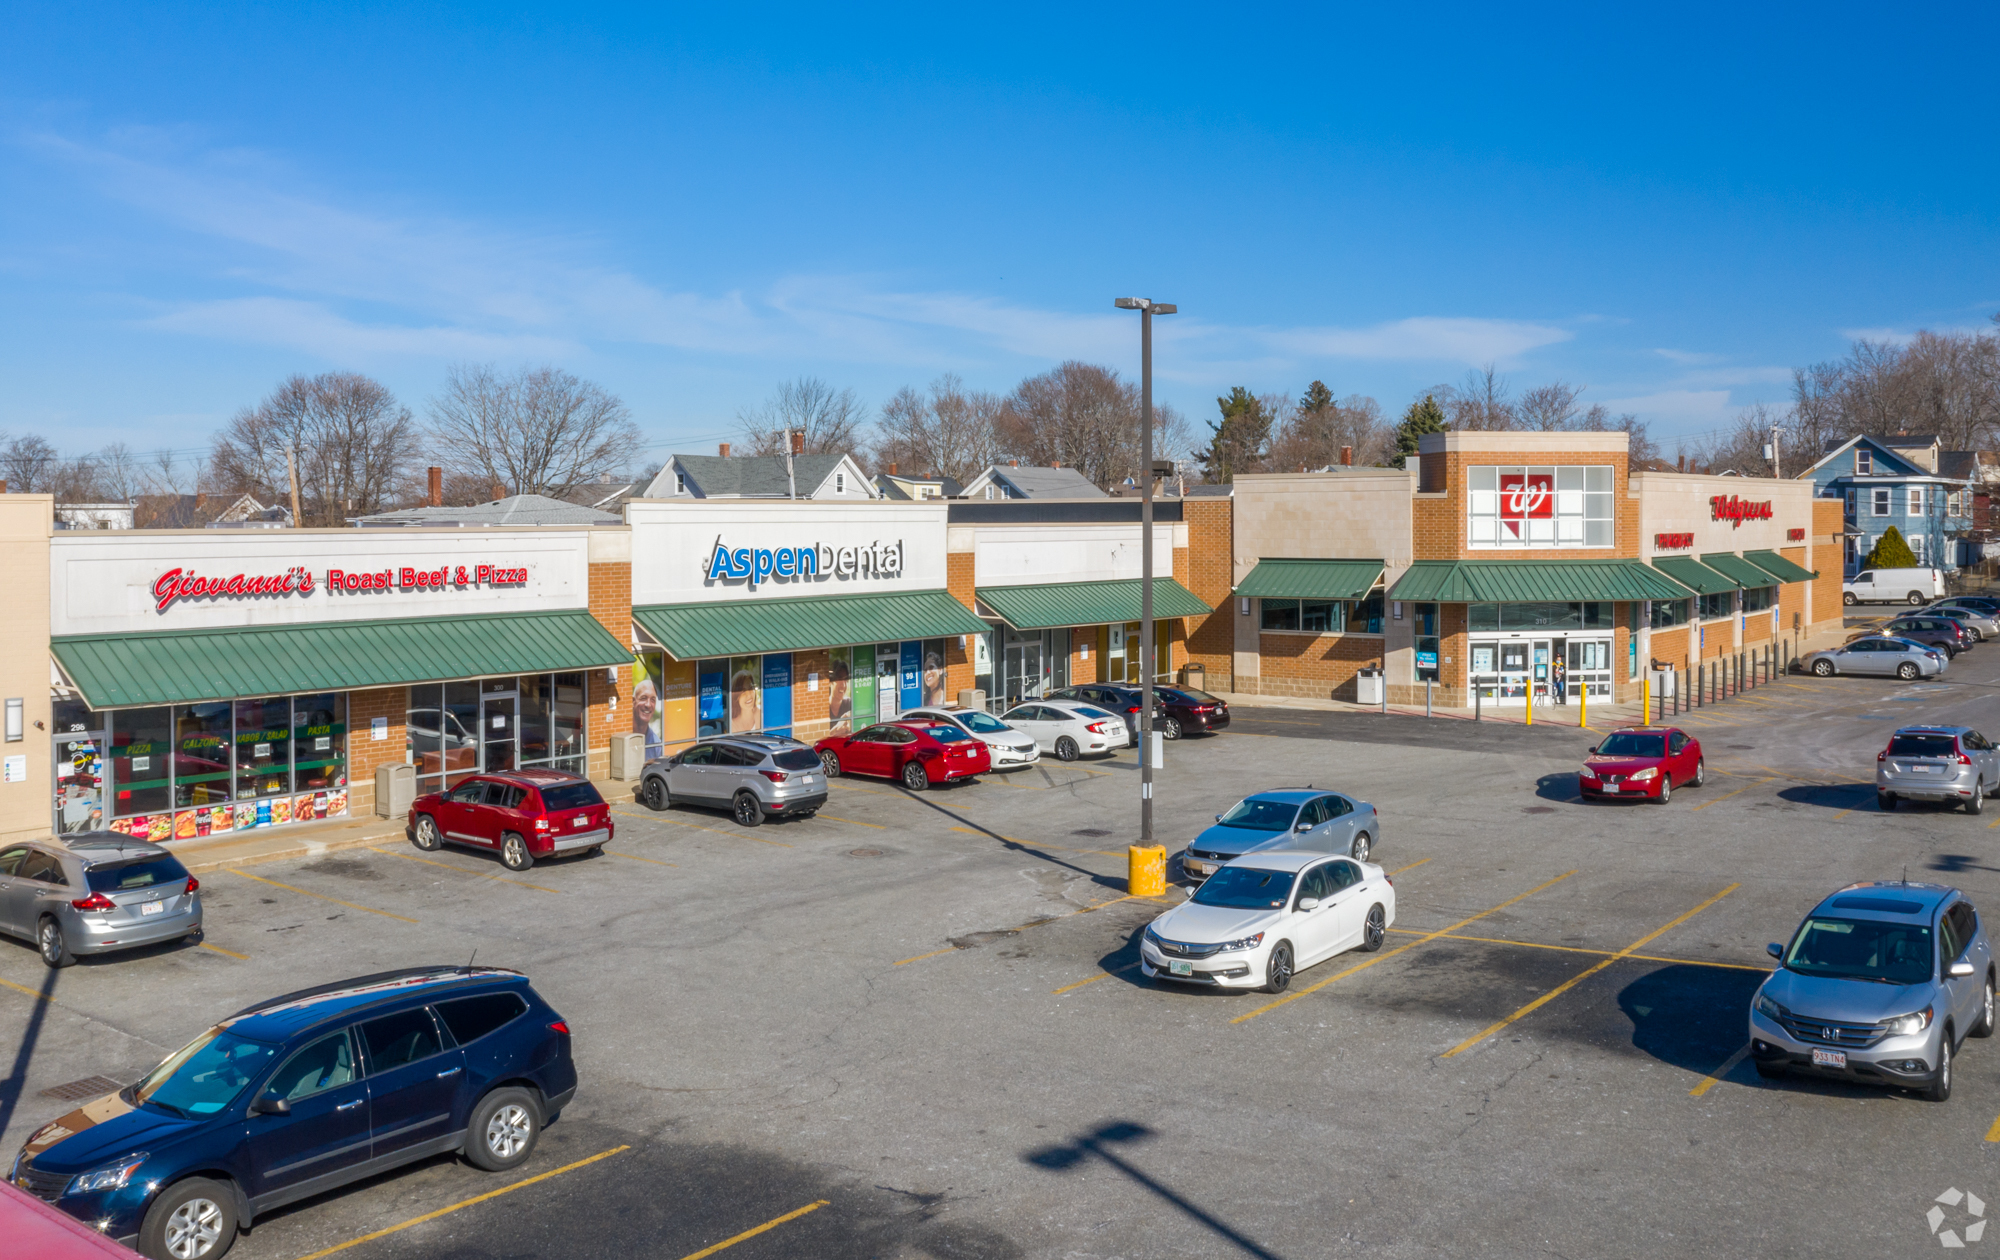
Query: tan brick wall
809	708
611	604
1209	574
1314	665
1828	558
27	808
366	754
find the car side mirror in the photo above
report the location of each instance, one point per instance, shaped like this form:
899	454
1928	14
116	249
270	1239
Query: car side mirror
1187	890
272	1105
1591	751
1775	950
1961	969
1303	827
1218	818
1308	903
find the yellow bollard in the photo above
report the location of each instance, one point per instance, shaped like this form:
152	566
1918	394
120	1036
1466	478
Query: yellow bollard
1583	708
1531	694
1645	702
1146	870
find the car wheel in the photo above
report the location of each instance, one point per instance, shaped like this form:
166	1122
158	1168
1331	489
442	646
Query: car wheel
1915	599
1984	1028
514	853
427	837
1886	802
830	762
1823	668
1360	849
1170	728
49	939
1700	772
914	777
1278	972
503	1130
1977	802
1066	749
1848	598
1907	670
1940	1087
1666	788
193	1220
745	809
1375	931
654	797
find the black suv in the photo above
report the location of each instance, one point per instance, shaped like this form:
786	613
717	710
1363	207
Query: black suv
1177	711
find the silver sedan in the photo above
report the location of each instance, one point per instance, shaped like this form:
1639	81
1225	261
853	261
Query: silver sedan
1889	658
95	893
1983	624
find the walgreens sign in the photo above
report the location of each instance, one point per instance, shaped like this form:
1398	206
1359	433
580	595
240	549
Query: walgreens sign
1526	497
186	584
1727	507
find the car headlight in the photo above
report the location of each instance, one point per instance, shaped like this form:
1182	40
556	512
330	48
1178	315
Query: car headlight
1586	773
1650	772
1248	942
1766	1007
109	1177
1910	1024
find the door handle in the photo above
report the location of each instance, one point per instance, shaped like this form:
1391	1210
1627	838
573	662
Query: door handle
447	1072
349	1106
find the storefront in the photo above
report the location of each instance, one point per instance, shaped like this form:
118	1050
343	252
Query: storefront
206	683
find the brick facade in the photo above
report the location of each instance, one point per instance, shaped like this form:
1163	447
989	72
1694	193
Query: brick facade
609	696
809	707
365	753
1210	640
1440	529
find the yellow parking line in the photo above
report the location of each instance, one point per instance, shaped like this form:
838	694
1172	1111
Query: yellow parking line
1411	867
22	988
852	822
752	1233
464	1203
1726	795
1993	1134
636	858
933	954
306	892
229	952
1585	974
411	857
1295	994
1578	949
1728	1066
1115	971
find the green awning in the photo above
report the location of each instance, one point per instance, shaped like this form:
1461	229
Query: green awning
744	627
1779	567
1532	581
183	666
1737	569
1693	574
1087	603
1311	579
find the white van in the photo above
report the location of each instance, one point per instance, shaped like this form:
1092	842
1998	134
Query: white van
1892	586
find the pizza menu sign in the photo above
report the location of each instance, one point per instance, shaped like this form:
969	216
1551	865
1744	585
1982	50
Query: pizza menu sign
179	584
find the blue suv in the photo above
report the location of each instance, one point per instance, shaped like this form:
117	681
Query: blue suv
305	1093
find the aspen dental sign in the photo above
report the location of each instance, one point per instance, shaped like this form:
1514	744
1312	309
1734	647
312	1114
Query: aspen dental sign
817	562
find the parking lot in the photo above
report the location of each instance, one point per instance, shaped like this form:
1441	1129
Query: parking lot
914	1026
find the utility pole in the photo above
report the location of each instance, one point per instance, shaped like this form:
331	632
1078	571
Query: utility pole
1777	471
791	478
1147	475
292	474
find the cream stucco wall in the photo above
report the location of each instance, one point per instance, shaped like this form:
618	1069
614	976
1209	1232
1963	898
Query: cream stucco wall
26	521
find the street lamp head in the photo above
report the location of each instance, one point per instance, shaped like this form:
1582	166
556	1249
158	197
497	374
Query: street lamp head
1164	308
1133	304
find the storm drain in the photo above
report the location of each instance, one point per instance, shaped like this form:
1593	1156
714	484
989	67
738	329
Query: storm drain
88	1087
864	853
1093	832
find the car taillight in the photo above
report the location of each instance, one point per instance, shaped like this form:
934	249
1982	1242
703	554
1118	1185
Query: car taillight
1964	760
1095	728
775	776
95	901
560	1026
193	885
1133	709
541	824
1883	755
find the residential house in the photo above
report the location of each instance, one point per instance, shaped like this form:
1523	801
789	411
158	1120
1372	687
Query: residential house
721	476
207	511
897	485
94	515
517	509
1012	481
1907	481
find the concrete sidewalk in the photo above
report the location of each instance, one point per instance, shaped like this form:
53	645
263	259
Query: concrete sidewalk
1601	713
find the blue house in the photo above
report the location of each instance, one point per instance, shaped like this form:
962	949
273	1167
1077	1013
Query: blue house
1906	481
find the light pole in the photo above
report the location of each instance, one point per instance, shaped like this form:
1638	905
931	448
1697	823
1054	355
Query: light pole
1147	308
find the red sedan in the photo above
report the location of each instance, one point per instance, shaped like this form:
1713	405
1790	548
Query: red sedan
1643	762
921	754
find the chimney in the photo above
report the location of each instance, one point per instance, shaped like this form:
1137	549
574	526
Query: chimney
722	449
437	485
1013	463
1681	462
1055	463
3	485
200	501
798	442
499	492
892	468
1347	457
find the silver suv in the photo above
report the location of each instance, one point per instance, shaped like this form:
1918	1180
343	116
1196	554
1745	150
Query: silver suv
1955	764
96	892
1880	986
754	777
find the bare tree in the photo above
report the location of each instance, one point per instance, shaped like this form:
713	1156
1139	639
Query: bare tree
354	442
1482	401
1550	408
947	432
1086	417
1312	431
1942	383
829	418
28	463
537	431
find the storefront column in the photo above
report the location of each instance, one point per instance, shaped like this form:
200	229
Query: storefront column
369	746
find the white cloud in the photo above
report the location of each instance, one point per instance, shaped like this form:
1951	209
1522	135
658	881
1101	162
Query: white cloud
311	326
1679	408
1444	339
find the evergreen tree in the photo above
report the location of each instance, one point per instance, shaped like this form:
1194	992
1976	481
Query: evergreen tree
1317	400
1240	437
1891	552
1422	417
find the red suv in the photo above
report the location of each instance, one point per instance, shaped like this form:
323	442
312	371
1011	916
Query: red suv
921	754
525	814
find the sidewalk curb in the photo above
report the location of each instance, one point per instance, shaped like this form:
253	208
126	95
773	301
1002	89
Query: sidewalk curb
300	849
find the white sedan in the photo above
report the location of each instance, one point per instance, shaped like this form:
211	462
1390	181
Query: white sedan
1262	918
1007	746
1067	728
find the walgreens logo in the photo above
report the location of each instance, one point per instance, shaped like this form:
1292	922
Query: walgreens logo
1727	507
178	584
1526	497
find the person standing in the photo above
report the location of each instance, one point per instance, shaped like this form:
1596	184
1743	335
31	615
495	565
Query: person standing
1559	678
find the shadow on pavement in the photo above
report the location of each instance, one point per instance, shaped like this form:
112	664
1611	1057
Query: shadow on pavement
1693	1018
1099	1144
1831	795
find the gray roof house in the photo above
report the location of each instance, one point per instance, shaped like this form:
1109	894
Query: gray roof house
1011	481
518	509
895	485
759	477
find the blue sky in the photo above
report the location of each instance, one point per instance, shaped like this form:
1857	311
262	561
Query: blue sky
1672	207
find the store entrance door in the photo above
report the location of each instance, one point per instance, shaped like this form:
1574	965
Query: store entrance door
497	719
1590	668
79	777
1514	671
1023	676
888	695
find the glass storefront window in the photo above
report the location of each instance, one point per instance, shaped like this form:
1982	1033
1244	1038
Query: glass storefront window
202	771
1368	615
537	700
80	766
1759	598
1714	606
263	749
746	694
319	741
452	730
1670	612
566	724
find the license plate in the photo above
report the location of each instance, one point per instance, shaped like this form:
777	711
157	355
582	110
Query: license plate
153	907
1179	968
1830	1058
1198	868
581	820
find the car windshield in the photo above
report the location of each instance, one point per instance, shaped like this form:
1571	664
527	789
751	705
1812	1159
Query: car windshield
1923	746
945	734
1245	888
1862	949
205	1075
796	759
1632	744
559	796
984	723
1256	815
142	873
1086	711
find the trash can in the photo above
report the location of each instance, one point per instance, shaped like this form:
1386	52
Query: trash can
395	789
1194	675
628	756
972	698
1368	686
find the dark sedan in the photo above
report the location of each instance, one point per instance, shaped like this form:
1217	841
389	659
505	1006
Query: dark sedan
1938	632
1177	711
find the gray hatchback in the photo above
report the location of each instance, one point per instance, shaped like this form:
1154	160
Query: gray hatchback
95	893
1953	764
1879	986
754	777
